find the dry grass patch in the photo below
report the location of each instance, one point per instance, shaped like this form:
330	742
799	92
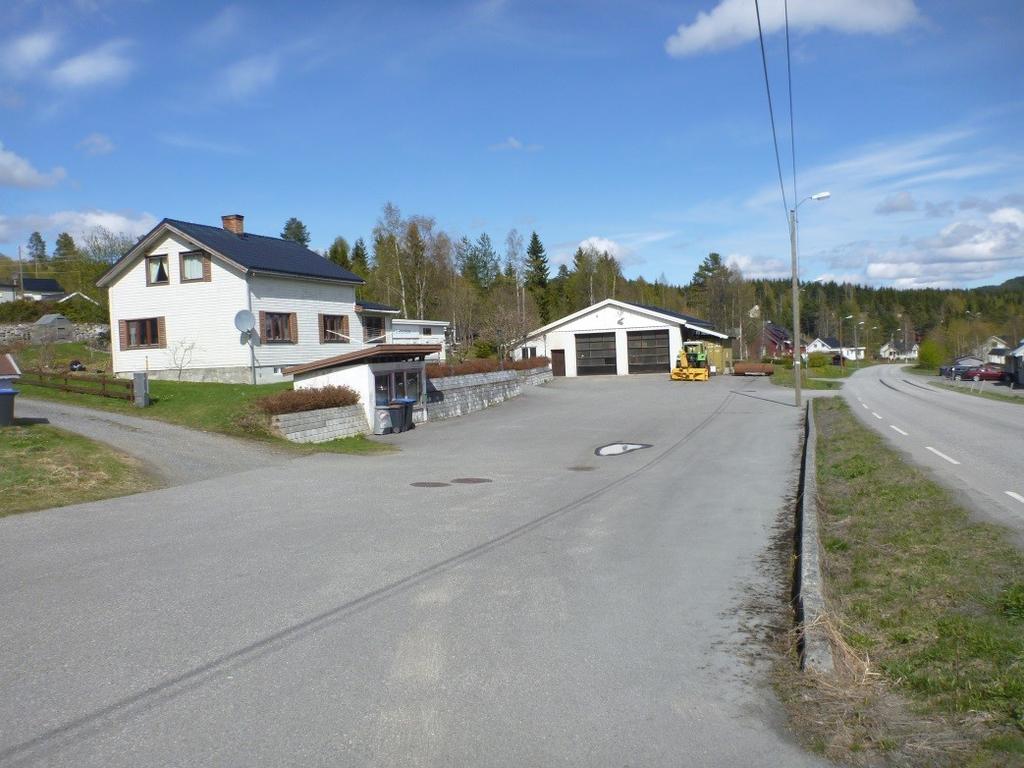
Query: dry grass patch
926	617
42	466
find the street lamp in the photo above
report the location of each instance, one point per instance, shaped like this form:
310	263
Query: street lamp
842	354
796	290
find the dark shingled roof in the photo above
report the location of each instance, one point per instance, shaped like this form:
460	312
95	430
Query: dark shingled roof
373	306
41	285
265	254
688	318
832	342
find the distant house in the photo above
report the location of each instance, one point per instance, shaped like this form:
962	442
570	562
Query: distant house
40	288
899	350
8	292
421	332
51	328
1015	366
175	295
997	355
982	350
772	341
828	345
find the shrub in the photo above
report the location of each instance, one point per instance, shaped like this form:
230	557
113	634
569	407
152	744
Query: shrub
295	400
483	365
818	359
931	354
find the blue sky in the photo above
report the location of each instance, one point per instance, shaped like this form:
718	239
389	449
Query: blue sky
640	126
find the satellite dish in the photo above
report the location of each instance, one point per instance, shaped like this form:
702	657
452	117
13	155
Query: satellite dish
244	321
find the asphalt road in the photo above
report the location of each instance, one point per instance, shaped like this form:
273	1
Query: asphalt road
175	454
573	609
972	445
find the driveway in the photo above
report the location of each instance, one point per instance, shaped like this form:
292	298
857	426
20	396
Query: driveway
552	607
971	444
175	454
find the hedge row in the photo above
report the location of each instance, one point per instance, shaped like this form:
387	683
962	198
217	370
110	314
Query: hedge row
483	365
295	400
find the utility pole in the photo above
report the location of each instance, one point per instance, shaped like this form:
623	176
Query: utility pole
796	307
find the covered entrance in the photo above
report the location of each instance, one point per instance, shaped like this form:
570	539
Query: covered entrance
595	354
649	352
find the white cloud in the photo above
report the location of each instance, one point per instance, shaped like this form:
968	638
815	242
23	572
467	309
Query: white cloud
23	54
224	25
16	171
105	64
759	268
244	78
604	244
96	144
733	22
184	141
901	202
514	145
76	223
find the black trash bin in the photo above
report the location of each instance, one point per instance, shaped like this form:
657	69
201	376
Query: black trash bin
7	395
407	403
397	411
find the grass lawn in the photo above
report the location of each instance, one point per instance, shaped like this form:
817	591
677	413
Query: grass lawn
42	467
964	389
930	609
783	377
59	356
918	370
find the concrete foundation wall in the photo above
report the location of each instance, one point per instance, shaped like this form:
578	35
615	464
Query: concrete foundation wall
321	425
458	395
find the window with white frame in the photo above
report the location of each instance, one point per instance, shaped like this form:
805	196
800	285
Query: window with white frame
156	270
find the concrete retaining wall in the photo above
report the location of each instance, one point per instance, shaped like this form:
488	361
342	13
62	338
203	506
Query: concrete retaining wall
458	395
321	425
810	598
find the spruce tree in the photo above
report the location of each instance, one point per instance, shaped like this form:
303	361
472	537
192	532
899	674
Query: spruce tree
296	231
537	277
360	259
37	249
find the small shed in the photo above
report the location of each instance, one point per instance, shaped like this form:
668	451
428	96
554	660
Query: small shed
9	370
50	328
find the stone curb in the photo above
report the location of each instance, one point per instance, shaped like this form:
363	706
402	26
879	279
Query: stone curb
810	600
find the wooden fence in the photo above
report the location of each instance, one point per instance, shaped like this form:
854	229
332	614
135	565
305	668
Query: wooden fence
104	386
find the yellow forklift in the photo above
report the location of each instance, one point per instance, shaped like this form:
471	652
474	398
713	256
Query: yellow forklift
692	362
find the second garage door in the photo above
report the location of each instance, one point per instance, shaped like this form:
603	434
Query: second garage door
648	352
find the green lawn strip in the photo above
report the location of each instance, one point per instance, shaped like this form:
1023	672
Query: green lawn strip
783	377
223	408
935	600
59	356
917	370
42	467
964	389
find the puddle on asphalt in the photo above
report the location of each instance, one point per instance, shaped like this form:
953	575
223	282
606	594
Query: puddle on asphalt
617	449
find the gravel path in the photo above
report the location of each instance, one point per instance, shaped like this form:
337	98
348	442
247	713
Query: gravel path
178	455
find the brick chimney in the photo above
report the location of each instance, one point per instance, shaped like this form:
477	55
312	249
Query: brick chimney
232	222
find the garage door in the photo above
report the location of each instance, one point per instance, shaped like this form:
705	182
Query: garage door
648	352
595	353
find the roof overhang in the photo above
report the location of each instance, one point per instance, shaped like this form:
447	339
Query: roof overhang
407	321
625	307
376	310
381	353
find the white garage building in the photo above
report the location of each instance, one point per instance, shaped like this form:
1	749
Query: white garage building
616	337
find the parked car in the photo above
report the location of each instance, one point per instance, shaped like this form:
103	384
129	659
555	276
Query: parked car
982	373
954	371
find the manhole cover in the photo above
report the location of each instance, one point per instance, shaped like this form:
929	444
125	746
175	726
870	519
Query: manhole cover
428	484
617	449
471	480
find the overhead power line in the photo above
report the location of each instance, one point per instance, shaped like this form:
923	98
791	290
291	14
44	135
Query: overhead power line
789	77
771	112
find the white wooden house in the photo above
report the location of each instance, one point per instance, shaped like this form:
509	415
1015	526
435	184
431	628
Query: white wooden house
433	332
174	296
899	350
615	337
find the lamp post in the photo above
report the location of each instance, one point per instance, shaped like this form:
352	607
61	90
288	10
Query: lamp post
856	346
842	353
796	291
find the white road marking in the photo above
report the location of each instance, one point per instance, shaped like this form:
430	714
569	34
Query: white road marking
893	426
875	415
865	405
1016	496
941	455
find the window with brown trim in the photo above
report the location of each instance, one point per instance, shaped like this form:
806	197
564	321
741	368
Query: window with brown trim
373	330
278	328
194	267
334	329
143	334
156	270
